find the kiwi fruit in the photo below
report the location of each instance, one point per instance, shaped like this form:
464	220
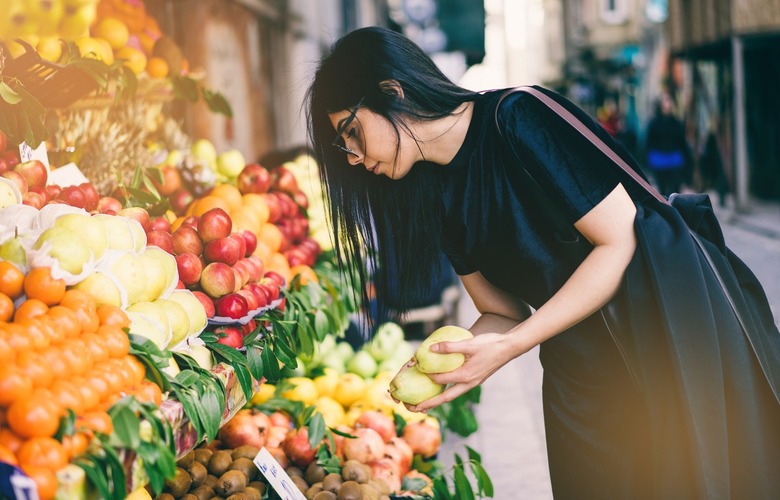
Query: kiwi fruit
210	481
258	485
369	493
179	485
245	451
203	492
219	462
230	482
314	473
186	460
332	482
325	495
197	472
313	490
253	493
350	490
355	471
239	495
189	496
293	471
246	466
300	483
381	486
202	455
164	496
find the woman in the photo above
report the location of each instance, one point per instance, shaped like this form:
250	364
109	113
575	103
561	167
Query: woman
668	153
640	383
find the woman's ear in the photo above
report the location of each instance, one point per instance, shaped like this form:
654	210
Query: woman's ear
392	87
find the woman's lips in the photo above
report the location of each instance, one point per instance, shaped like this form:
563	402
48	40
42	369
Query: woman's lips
374	169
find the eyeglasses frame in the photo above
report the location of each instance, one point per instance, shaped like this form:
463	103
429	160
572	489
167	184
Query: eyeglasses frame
347	123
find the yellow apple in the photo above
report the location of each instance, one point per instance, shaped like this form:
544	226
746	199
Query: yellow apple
431	362
103	288
66	247
156	276
177	318
91	231
129	271
192	307
118	232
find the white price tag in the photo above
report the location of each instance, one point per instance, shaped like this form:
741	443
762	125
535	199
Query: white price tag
67	175
26	153
277	477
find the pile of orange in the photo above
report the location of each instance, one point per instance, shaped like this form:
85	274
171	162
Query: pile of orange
59	351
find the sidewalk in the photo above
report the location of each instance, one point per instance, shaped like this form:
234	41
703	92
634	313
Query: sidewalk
511	426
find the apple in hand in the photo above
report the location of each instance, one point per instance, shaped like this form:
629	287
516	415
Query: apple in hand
254	178
207	303
230	336
34	172
213	224
218	279
232	305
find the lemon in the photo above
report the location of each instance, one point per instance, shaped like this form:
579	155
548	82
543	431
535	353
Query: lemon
263	394
304	390
327	383
331	410
113	31
94	48
49	48
132	58
351	388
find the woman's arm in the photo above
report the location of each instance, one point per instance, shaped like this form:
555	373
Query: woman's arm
609	226
489	299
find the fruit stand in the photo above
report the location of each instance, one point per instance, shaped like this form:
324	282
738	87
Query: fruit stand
172	317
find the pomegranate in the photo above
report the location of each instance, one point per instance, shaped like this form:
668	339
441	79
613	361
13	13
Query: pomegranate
401	453
276	435
415	474
279	455
387	470
367	447
423	438
242	429
296	446
281	419
383	424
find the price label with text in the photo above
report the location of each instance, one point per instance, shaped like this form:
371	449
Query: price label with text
277	477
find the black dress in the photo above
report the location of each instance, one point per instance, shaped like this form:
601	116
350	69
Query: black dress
624	416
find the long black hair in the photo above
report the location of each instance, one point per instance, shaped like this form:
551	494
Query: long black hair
392	224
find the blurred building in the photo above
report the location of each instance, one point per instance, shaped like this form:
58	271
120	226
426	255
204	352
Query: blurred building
730	75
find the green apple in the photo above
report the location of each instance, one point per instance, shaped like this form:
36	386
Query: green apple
386	340
13	251
344	350
177	318
156	276
168	262
146	326
431	362
230	163
193	309
118	232
363	364
129	271
412	386
91	231
103	288
66	247
203	150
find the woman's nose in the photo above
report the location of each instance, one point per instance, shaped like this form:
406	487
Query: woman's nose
355	160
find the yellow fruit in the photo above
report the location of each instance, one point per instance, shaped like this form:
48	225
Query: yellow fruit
304	390
91	47
113	31
49	48
230	194
156	67
132	58
327	383
351	388
331	410
263	394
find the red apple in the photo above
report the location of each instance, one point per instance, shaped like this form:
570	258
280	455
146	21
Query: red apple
295	257
244	271
33	199
232	305
171	180
191	221
218	279
274	207
12	157
109	203
251	299
17	179
284	180
41	191
225	250
260	293
213	224
254	178
249	327
258	263
34	172
250	240
91	195
162	239
180	200
230	336
206	302
4	167
138	213
300	199
241	243
274	276
254	273
160	223
3	141
190	268
187	240
180	285
239	279
73	196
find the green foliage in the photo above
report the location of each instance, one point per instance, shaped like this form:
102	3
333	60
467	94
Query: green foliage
458	415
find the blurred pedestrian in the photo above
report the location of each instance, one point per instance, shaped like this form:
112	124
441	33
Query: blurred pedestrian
711	166
651	388
668	154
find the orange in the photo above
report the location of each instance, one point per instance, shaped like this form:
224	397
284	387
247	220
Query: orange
98	421
68	396
39	284
113	31
17	338
263	251
34	416
68	324
132	58
157	67
116	340
45	481
30	308
14	384
278	262
203	205
7	456
6	307
11	280
97	346
112	315
230	194
148	392
59	366
271	236
90	397
75	353
307	274
7	355
136	367
35	369
10	440
75	444
83	304
114	380
43	452
256	203
36	332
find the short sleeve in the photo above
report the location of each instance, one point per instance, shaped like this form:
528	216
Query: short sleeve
572	170
454	252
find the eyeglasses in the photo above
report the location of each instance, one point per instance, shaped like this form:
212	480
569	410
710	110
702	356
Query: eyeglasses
339	142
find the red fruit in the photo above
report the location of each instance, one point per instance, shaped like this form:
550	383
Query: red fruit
296	446
230	336
171	181
190	221
190	268
217	279
250	240
380	422
243	429
160	223
187	240
250	298
274	207
401	453
139	214
16	178
108	204
388	471
275	276
248	328
206	302
11	157
162	239
3	141
254	178
232	305
261	295
226	250
424	439
91	195
366	447
33	199
300	199
241	244
213	224
73	196
284	180
180	200
34	172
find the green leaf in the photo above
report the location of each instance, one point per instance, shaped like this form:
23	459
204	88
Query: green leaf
212	413
8	94
321	325
316	429
255	362
96	476
270	365
440	489
187	377
462	485
305	337
126	425
474	455
284	353
185	88
217	103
